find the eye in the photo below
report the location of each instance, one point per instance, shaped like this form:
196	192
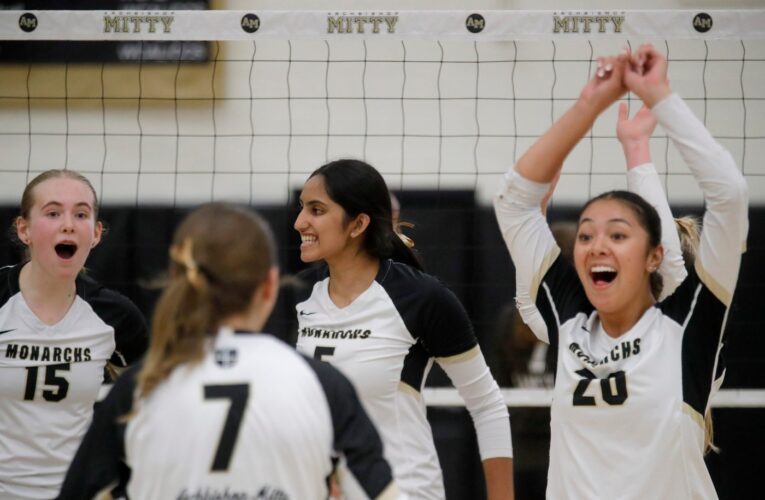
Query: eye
317	211
584	237
52	214
83	215
618	236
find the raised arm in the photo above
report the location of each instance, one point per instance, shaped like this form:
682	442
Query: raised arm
725	223
526	189
545	157
634	135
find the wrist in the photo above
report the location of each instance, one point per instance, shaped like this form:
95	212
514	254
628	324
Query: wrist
656	94
636	152
585	108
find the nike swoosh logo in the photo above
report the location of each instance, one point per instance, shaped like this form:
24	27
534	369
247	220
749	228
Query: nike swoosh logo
303	313
6	331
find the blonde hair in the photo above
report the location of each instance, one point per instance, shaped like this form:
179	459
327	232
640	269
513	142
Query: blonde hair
688	229
219	257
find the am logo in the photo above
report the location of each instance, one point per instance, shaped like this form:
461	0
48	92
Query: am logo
702	22
475	23
28	22
250	23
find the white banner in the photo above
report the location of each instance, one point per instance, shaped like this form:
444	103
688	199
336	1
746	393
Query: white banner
490	25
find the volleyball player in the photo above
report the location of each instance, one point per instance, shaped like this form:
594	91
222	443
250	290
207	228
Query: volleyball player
218	410
59	330
633	376
376	316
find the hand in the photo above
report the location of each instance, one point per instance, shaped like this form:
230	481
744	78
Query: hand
646	75
638	129
634	135
608	83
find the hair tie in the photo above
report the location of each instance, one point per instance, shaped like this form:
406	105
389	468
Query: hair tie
184	256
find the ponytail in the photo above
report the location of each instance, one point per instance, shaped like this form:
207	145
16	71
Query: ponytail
220	255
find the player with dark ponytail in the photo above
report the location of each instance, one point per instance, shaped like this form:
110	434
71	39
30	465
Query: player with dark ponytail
376	316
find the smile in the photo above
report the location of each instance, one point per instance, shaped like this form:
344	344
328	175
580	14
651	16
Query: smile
602	275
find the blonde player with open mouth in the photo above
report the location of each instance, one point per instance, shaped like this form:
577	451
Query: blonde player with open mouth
59	329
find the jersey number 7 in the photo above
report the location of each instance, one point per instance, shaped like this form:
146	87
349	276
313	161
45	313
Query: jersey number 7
238	394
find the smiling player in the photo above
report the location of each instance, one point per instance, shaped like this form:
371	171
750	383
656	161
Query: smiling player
634	376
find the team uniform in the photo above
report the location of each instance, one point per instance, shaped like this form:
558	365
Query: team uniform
252	420
385	342
627	413
50	376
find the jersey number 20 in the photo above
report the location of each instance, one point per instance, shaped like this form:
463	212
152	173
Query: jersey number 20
613	388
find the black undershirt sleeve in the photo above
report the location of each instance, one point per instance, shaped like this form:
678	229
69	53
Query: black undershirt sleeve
355	435
99	460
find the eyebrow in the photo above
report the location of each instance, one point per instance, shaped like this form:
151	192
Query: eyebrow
312	202
59	204
615	219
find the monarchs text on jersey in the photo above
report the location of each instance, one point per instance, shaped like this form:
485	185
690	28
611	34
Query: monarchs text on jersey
50	376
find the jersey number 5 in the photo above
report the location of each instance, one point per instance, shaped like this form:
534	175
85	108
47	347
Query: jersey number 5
60	386
613	388
238	394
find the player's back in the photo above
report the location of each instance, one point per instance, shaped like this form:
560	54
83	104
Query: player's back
251	420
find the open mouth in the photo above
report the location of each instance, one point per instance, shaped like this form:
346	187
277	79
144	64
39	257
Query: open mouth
602	275
66	250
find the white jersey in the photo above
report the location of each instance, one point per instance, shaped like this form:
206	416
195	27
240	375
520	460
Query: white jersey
50	376
252	420
627	413
385	342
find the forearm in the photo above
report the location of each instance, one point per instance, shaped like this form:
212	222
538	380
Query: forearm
499	478
545	157
643	180
726	223
483	399
636	152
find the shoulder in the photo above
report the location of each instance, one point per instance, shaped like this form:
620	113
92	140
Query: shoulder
109	304
402	281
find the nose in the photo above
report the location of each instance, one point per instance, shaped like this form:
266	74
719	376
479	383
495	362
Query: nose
299	221
599	245
67	223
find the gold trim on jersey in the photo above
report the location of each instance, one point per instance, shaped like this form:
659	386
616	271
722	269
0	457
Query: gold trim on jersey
404	387
536	280
389	493
463	356
695	416
716	288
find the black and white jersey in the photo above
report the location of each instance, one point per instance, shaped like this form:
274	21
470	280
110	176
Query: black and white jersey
385	342
253	419
627	413
50	376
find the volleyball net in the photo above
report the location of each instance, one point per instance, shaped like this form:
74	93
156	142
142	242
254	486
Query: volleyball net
196	106
437	100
